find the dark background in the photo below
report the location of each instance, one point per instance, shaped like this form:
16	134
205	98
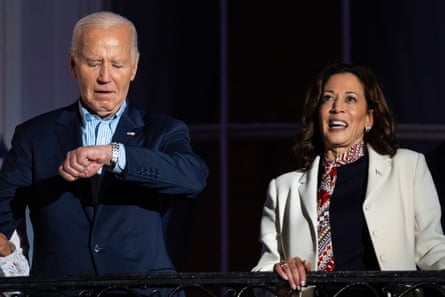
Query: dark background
237	71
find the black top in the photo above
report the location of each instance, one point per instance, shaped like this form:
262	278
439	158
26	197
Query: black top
351	243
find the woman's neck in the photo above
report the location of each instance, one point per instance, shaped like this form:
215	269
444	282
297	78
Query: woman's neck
333	153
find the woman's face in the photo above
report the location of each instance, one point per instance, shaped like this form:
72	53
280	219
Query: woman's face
343	112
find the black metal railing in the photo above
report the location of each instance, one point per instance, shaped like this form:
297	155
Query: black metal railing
233	284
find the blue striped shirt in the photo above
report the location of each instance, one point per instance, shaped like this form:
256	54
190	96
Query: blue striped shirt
98	131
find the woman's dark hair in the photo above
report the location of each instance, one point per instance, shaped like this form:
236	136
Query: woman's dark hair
382	135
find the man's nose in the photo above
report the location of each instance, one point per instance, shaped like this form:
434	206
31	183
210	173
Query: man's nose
104	74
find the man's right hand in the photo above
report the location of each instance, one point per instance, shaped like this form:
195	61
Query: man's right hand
85	161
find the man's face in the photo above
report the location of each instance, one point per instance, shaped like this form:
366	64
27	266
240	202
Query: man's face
104	66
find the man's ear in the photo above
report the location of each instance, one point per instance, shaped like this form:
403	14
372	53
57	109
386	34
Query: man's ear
72	65
135	68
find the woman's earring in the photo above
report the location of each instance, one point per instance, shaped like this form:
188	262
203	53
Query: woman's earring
367	129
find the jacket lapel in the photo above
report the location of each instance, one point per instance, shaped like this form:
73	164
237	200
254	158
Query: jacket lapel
379	168
303	200
68	130
129	131
308	191
130	127
69	137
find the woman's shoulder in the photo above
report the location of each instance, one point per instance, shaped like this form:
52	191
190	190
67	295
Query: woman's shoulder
402	153
288	177
406	153
298	175
406	158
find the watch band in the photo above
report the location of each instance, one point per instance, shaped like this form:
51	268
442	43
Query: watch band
114	154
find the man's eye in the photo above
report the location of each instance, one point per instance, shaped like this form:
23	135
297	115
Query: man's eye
118	66
93	65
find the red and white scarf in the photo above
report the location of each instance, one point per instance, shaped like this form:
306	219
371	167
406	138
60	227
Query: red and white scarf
327	185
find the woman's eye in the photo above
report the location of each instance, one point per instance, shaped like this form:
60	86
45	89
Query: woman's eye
325	98
351	99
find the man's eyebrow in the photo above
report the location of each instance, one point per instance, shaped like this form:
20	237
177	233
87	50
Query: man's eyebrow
93	59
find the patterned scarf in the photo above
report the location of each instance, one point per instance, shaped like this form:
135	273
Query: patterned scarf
327	185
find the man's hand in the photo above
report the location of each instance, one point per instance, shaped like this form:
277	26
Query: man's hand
85	161
6	247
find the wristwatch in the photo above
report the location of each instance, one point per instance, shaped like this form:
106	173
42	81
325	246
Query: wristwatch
114	154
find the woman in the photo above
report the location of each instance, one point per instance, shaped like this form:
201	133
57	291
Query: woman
357	201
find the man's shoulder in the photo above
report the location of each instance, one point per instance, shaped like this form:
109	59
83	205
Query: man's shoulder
155	119
51	116
157	116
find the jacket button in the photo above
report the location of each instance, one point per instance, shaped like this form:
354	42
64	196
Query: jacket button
97	248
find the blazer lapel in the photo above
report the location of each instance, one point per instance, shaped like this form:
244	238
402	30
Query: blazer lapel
68	129
129	131
303	200
130	127
379	167
308	191
378	171
69	137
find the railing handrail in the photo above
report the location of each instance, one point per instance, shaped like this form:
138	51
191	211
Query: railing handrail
221	279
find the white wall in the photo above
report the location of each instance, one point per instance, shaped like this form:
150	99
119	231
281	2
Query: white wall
35	38
34	71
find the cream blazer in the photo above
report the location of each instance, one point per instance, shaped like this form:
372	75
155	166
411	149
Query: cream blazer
401	209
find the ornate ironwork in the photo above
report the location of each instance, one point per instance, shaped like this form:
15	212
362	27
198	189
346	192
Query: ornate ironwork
233	284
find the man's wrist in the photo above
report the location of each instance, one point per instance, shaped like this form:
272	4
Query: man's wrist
114	155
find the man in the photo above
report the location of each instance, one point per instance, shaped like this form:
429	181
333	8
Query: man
97	175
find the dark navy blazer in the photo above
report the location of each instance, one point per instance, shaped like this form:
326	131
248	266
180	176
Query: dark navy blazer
123	232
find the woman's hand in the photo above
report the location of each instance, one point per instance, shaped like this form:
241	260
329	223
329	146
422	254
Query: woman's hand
294	271
6	247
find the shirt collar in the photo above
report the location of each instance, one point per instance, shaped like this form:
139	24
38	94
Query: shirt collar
86	116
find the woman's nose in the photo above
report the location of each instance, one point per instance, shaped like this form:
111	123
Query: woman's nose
336	106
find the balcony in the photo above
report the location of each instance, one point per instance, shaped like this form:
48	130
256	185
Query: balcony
233	284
